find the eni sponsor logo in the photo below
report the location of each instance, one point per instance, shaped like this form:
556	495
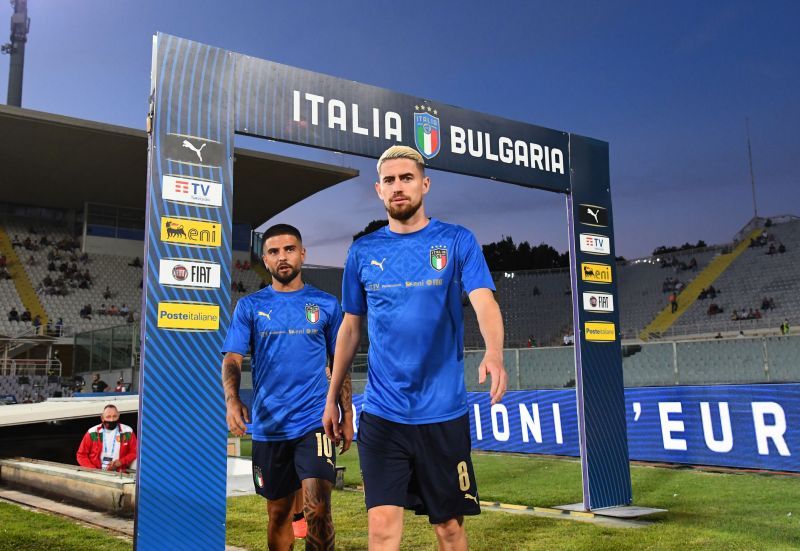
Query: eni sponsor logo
188	316
601	331
190	231
596	273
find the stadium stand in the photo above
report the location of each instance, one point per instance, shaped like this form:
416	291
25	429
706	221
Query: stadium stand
27	389
749	279
107	272
10	299
641	285
536	306
522	296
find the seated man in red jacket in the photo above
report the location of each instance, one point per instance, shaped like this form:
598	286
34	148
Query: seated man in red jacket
110	446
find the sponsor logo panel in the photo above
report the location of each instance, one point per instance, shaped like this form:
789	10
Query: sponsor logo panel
187	273
598	302
188	316
188	190
592	215
595	273
191	231
595	244
599	331
193	150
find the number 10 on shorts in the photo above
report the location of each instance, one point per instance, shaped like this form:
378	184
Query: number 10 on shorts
324	447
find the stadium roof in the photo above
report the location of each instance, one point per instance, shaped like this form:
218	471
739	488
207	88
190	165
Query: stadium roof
61	162
57	409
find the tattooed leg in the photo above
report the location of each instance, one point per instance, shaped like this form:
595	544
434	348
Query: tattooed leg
317	508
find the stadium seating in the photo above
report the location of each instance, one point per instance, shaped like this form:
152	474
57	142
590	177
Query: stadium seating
36	386
751	277
641	294
545	315
9	298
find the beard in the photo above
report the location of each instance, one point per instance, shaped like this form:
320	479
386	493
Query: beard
402	212
287	278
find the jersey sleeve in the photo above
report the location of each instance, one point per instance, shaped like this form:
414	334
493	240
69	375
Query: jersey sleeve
474	270
354	298
238	338
332	328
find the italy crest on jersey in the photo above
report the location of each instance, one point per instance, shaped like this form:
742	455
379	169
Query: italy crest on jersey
312	313
427	134
258	478
438	258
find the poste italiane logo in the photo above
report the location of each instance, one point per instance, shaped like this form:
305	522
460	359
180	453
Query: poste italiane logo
188	316
602	331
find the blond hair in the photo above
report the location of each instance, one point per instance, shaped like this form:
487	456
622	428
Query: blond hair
402	152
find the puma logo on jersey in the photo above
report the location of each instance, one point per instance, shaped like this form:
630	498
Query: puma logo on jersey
378	264
267	315
472	497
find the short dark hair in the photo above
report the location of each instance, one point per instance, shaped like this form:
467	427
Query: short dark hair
112	406
282	229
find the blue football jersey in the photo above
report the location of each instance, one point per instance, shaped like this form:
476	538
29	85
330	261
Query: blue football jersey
290	335
410	288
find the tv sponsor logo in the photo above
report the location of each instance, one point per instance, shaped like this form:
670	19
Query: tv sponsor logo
592	215
598	302
185	273
188	316
599	331
595	244
595	273
191	231
191	191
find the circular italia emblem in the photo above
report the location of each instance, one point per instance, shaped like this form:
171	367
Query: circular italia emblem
312	313
258	478
180	272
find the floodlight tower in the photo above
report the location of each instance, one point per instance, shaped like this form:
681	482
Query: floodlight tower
20	25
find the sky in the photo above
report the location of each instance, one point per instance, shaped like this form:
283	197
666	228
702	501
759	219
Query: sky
668	85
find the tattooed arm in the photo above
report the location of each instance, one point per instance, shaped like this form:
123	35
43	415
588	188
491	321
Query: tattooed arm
236	412
346	406
346	345
346	403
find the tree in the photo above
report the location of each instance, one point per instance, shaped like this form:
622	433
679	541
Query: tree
663	249
371	227
507	256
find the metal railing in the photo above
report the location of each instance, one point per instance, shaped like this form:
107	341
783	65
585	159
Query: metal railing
766	359
29	368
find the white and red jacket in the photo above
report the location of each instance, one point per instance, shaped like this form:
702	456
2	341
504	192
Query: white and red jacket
90	451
